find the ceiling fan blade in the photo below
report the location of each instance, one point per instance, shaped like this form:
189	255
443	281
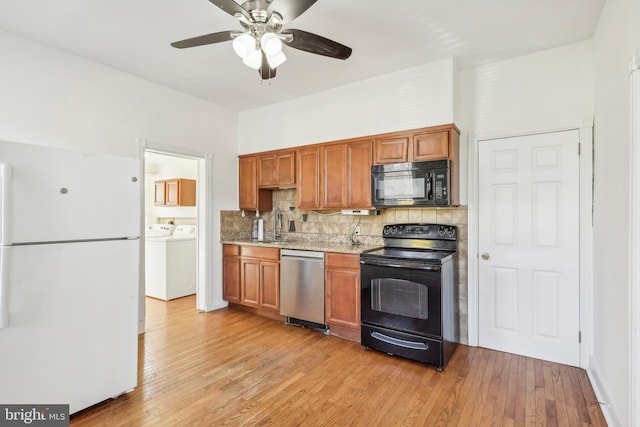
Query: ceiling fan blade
289	9
319	45
222	36
230	6
265	71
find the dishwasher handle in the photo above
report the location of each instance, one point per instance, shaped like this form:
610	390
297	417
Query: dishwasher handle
301	254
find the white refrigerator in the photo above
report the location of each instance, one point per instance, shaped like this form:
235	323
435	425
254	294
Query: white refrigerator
69	269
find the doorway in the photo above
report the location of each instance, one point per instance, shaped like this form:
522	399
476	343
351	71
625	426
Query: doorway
171	222
529	246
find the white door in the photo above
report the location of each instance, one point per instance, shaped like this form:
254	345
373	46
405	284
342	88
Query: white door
529	246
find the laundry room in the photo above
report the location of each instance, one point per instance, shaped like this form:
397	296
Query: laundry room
170	226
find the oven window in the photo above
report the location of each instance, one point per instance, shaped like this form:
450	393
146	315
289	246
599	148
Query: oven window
400	297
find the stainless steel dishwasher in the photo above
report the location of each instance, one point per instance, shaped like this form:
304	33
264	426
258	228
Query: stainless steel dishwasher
302	287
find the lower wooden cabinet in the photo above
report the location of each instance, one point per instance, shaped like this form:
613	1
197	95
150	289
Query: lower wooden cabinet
342	289
251	276
231	273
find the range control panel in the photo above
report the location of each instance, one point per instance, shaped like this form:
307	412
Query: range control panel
420	231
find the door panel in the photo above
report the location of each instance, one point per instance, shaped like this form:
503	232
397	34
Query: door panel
529	242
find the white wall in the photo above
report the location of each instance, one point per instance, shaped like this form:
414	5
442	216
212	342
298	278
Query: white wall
416	97
547	89
52	98
616	39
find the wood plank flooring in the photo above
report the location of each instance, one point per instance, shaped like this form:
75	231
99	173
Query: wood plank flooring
230	367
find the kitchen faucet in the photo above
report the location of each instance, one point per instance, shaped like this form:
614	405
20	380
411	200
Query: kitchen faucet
277	223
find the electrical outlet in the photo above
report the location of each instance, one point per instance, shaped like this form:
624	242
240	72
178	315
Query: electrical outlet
356	230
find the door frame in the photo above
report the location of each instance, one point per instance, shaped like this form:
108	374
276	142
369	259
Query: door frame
634	197
205	268
585	132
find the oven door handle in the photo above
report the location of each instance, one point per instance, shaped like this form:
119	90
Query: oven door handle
401	343
413	265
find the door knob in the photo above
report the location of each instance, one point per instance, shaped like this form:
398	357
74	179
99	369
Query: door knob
485	255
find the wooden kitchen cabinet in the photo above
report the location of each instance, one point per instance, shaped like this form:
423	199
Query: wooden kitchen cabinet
308	176
358	165
231	273
251	276
342	294
335	176
175	192
270	285
391	149
250	282
277	170
251	198
433	143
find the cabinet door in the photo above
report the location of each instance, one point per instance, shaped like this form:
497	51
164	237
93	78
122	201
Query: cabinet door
250	282
159	192
172	192
359	160
342	287
231	279
308	194
248	185
430	146
391	149
250	197
267	170
334	176
270	285
286	169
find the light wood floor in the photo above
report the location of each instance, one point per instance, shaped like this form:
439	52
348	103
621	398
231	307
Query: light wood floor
235	368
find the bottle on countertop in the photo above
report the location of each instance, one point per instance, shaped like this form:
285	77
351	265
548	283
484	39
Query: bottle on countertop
254	230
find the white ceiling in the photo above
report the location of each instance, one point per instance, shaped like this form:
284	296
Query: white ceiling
385	35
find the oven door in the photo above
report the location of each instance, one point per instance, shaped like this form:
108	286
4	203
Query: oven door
402	295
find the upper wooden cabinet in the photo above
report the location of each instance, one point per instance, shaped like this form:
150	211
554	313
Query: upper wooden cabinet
175	192
434	143
308	193
391	149
277	170
335	176
251	198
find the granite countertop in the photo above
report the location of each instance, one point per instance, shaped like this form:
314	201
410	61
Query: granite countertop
305	245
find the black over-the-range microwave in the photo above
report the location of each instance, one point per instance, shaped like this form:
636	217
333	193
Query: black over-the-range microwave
411	184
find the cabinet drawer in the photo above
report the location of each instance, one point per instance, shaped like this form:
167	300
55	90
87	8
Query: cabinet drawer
259	252
338	260
230	250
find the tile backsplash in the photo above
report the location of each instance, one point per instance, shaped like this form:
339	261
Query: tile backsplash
333	227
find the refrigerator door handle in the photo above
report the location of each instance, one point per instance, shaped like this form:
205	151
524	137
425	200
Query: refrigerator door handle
5	204
4	286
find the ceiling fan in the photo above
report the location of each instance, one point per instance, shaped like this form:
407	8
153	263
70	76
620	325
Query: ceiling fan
260	44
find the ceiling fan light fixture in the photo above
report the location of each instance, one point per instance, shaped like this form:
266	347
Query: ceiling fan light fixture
243	45
271	44
276	60
253	59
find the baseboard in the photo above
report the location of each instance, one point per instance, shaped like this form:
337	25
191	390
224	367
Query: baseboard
216	306
599	389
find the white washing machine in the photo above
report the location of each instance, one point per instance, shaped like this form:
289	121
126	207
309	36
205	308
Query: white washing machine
170	261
